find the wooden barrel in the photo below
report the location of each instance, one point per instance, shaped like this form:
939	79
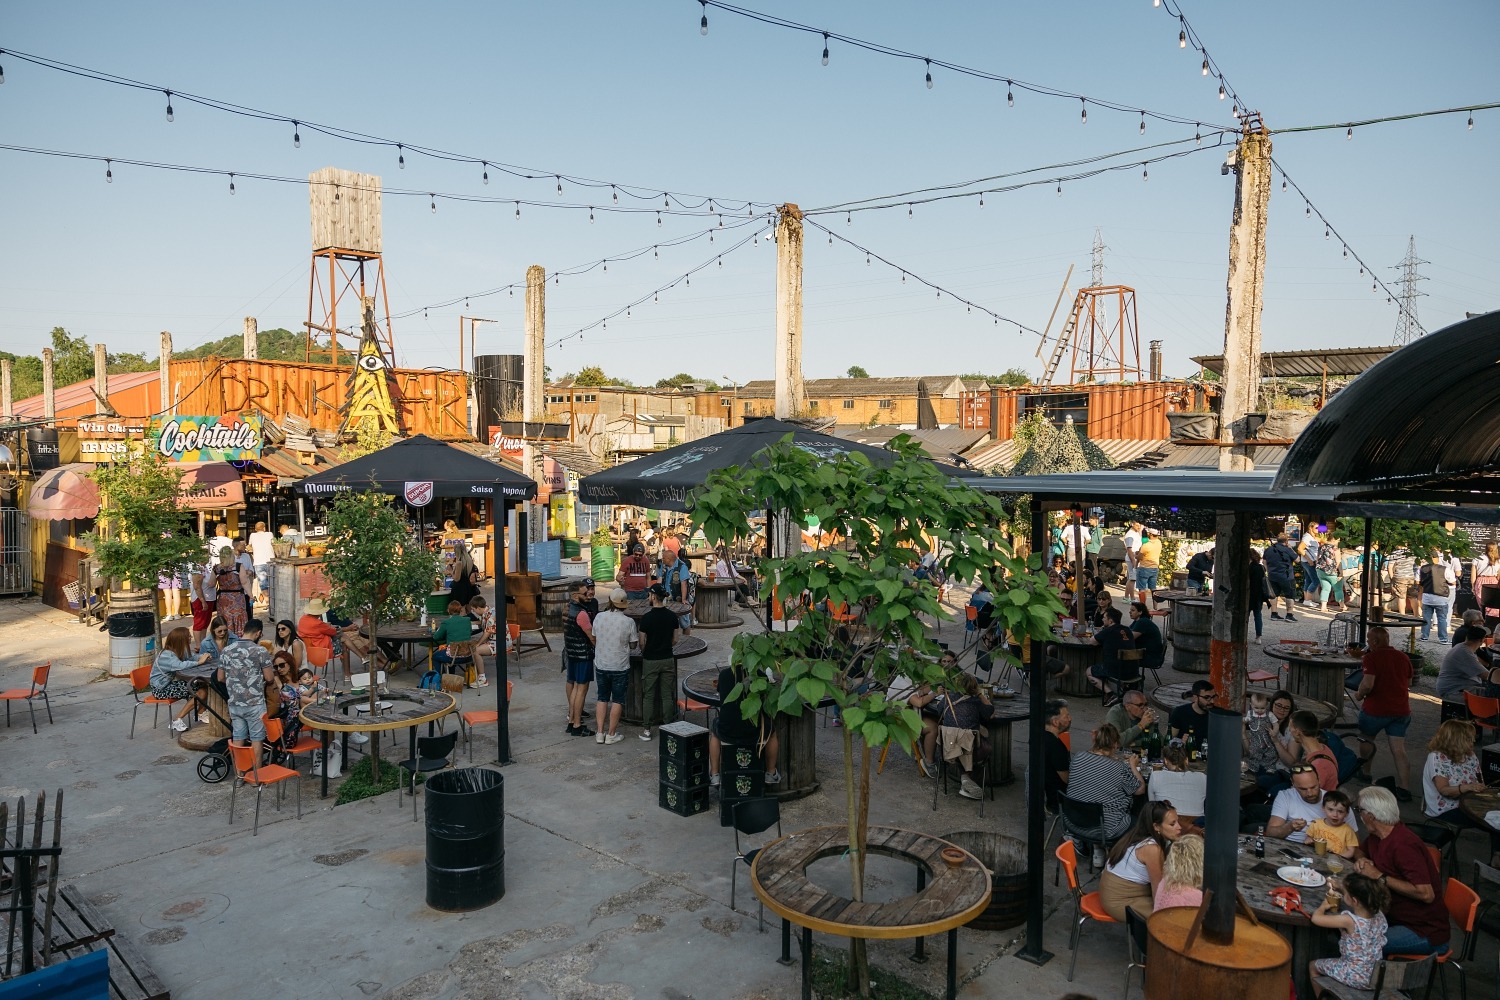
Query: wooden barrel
1192	634
1005	857
1257	964
552	605
1075	683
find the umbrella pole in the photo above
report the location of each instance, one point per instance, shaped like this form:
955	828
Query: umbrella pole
502	664
770	554
1366	576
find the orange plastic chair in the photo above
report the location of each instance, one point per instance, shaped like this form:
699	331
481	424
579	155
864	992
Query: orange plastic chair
1480	708
306	742
318	658
1067	741
140	687
249	771
1086	906
1463	909
479	717
686	704
29	695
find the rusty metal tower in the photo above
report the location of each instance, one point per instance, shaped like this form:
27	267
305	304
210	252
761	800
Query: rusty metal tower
347	268
1105	335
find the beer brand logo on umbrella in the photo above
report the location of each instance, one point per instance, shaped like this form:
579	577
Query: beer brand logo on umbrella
419	494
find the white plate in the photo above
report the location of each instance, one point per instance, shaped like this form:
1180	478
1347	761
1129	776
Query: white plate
1305	877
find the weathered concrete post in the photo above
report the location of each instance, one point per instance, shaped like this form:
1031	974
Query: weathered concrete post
101	374
250	339
49	388
791	396
7	408
1239	392
163	368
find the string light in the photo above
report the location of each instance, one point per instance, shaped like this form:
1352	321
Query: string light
1143	123
169	104
1205	62
400	156
2	74
231	184
1349	134
1144	175
1221	89
929	74
109	173
1059	189
1010	98
296	136
559	183
518	209
1085	105
908	210
433	199
825	51
591	214
614	194
981	199
1471	114
1182	37
703	22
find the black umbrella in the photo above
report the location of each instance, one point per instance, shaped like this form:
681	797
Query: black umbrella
419	469
667	479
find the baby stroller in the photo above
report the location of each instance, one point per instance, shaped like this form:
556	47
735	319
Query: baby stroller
215	765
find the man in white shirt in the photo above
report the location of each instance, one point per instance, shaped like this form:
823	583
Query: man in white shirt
614	634
1294	808
1132	546
220	540
261	554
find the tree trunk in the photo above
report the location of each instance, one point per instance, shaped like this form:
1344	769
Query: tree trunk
852	802
373	747
859	950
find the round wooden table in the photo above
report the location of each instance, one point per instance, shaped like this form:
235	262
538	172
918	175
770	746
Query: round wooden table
798	734
636	608
1257	877
1476	805
199	738
1316	672
1079	654
408	635
1007	711
686	647
409	710
713	604
946	897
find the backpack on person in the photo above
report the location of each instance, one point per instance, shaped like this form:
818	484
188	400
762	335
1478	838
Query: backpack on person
1346	760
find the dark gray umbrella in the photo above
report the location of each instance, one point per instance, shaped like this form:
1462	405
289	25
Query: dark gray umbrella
420	469
667	479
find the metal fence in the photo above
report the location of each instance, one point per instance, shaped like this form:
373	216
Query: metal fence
15	551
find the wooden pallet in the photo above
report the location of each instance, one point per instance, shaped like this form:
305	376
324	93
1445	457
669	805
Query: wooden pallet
78	927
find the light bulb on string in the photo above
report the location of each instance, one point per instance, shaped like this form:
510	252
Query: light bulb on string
867	260
1349	133
1144	175
1205	63
400	156
591	213
1059	189
2	74
1010	97
710	236
903	277
1085	117
559	183
231	184
1325	232
109	174
518	210
848	218
169	104
433	199
606	267
658	218
1156	3
614	194
939	293
720	260
486	177
296	136
825	48
830	239
1346	253
1182	39
1283	184
1143	123
1307	212
655	254
908	210
1221	89
981	199
1197	137
665	201
703	22
929	73
1471	114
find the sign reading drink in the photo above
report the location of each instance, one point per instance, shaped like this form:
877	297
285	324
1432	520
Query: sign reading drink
210	439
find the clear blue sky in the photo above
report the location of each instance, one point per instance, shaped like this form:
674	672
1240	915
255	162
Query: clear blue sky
633	93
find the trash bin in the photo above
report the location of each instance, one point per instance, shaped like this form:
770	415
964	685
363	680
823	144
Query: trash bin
465	839
132	641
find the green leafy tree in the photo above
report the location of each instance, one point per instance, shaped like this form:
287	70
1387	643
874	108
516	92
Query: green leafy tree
277	344
141	537
72	362
884	519
1419	537
368	439
593	376
377	569
855	371
1011	376
683	379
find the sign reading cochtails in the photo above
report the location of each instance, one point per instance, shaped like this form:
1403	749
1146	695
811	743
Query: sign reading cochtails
210	439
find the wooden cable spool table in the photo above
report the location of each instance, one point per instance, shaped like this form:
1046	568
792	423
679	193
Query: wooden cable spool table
798	735
409	710
1316	672
1007	711
1079	653
712	609
408	635
1257	877
1477	805
201	738
947	897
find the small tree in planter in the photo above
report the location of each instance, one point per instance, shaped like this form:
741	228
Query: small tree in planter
376	568
141	537
885	518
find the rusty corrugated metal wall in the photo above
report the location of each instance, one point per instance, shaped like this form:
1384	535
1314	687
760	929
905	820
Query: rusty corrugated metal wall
434	403
1135	412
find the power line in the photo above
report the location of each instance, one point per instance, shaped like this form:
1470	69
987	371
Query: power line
1329	232
1186	36
1012	83
686	279
1408	327
636	191
1350	126
968	304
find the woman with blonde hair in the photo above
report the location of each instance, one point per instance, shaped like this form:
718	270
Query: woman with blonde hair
1452	768
1181	874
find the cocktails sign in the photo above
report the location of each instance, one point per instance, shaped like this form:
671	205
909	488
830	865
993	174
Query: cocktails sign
210	439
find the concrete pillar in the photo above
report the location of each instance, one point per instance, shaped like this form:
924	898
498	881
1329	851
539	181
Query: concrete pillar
532	385
49	388
1239	391
250	339
791	396
163	369
7	409
1227	651
101	373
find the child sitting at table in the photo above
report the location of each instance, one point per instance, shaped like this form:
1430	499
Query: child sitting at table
1361	930
1334	826
310	686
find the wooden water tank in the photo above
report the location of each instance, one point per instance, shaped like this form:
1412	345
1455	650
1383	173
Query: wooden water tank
1257	964
1192	633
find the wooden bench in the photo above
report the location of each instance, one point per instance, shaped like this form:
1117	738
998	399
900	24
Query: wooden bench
79	927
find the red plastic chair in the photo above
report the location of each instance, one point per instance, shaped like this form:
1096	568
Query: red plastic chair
1480	710
29	695
1086	906
306	741
140	688
249	771
480	717
1463	909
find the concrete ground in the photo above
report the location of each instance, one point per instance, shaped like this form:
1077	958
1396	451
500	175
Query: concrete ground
608	895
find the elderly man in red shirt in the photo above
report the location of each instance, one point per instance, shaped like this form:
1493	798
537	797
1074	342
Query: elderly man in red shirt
1397	858
1384	705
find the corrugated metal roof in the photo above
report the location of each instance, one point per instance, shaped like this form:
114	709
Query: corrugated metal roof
940	443
1340	361
285	464
1424	422
1005	453
82	394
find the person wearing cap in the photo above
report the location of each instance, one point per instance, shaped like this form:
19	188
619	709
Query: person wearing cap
635	572
1148	563
659	667
614	634
578	653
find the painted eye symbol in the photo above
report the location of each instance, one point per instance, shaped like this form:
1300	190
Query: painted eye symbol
371	363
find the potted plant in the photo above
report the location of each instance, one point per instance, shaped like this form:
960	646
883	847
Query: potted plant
885	517
601	554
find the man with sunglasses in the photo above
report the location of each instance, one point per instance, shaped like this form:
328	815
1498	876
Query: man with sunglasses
1294	808
1191	718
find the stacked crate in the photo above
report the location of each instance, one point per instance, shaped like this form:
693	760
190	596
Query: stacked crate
741	777
683	768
